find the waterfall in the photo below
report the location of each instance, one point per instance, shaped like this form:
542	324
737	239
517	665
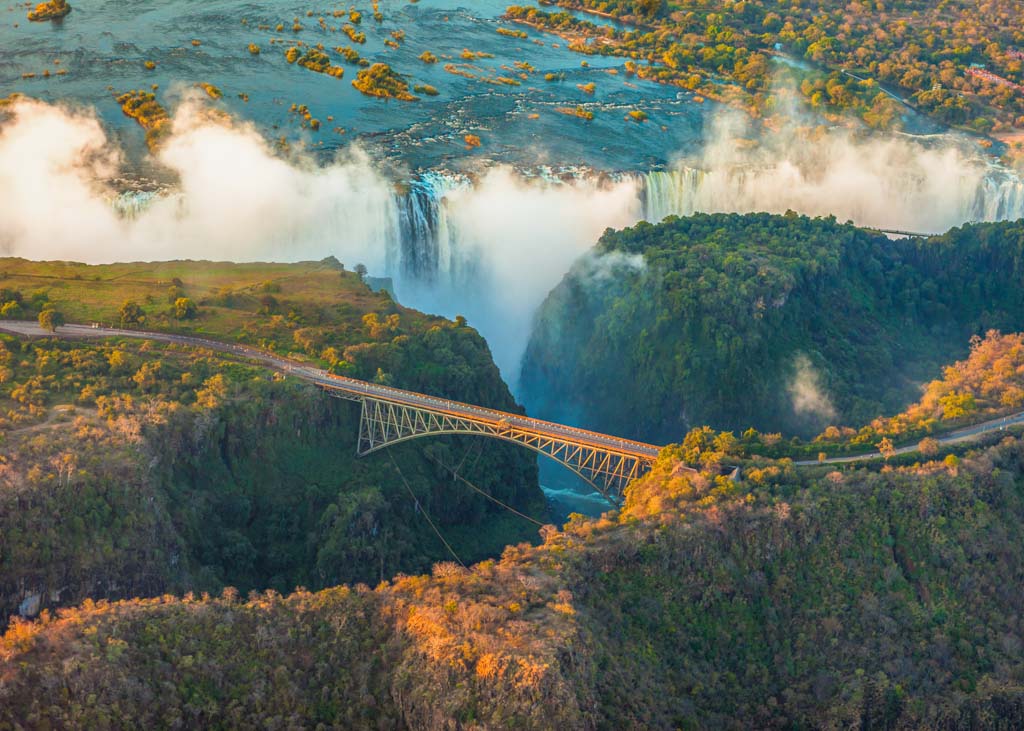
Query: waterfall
672	193
411	234
427	251
911	201
130	204
1000	198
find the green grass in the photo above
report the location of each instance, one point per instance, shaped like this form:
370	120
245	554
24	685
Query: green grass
229	295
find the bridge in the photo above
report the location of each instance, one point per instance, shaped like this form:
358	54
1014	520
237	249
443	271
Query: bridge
898	232
393	415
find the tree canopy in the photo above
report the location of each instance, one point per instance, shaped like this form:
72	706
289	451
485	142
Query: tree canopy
777	322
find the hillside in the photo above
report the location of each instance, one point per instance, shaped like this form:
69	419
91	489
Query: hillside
783	323
796	600
134	468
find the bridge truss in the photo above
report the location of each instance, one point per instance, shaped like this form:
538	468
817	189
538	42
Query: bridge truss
383	423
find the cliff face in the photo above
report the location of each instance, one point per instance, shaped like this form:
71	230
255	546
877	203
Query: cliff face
179	471
781	323
827	600
269	493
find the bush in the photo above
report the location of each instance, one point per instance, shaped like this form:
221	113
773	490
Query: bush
185	308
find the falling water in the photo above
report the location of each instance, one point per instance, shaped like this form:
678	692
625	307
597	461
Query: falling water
999	198
909	202
130	204
426	250
412	236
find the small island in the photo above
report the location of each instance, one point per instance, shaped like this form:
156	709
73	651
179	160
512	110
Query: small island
578	111
49	10
143	107
212	91
381	80
314	59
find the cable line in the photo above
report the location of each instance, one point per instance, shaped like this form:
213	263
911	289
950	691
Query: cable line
486	495
424	511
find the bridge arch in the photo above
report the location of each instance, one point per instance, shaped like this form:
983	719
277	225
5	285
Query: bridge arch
603	491
383	423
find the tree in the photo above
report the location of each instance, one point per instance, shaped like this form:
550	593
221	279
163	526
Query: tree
185	308
131	313
885	448
361	271
268	304
957	404
50	319
928	447
725	442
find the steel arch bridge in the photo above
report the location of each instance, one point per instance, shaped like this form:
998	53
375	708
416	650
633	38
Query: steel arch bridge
393	415
606	463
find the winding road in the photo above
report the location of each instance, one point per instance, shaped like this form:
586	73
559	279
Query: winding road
356	387
352	386
963	434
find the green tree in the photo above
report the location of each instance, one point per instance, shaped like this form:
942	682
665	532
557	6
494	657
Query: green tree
185	308
957	404
131	313
50	319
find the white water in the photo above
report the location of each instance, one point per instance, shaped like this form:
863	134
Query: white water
909	203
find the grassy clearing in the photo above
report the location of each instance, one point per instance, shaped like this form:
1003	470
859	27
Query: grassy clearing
261	303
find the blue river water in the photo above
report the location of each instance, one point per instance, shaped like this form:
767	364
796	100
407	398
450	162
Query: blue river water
103	46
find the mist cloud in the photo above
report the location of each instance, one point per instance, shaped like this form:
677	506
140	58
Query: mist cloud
236	200
893	182
603	268
50	163
808	397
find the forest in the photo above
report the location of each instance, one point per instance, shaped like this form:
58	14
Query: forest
133	469
800	599
198	542
957	62
780	323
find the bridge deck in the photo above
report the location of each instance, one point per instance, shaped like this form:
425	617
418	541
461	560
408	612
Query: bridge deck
356	389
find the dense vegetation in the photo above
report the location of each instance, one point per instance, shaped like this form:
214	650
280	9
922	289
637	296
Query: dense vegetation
143	107
314	59
828	600
131	468
776	322
988	385
51	10
960	62
381	80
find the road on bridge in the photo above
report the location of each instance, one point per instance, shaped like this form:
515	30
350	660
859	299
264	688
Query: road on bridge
349	385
